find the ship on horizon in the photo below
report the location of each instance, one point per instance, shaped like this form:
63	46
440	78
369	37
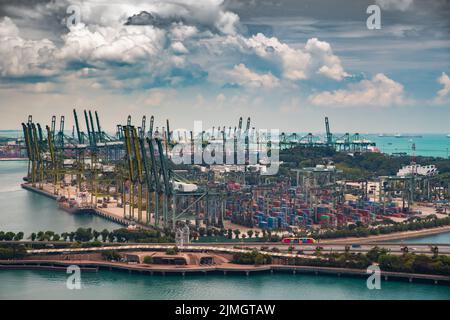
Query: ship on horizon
399	135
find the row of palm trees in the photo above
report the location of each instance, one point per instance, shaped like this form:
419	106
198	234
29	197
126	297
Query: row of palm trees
79	235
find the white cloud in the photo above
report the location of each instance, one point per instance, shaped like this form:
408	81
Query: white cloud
8	28
331	64
401	5
443	95
444	79
296	64
179	47
166	49
210	14
122	44
20	57
243	76
380	91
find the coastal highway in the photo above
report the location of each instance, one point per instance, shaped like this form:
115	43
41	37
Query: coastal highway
307	249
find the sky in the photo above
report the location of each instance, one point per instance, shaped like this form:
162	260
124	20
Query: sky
285	63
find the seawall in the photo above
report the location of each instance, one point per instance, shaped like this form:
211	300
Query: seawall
92	266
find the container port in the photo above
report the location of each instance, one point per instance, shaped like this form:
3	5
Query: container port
131	177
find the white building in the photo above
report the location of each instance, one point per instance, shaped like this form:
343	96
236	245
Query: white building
415	169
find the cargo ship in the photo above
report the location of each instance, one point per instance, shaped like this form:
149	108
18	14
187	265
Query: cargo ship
74	205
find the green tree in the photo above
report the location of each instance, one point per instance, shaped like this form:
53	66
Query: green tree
64	236
172	251
48	235
18	236
33	236
9	236
83	234
104	234
40	236
148	259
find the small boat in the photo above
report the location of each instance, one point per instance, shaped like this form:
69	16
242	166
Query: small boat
448	136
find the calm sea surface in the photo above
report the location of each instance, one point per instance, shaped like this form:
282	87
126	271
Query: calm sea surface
19	284
22	210
436	145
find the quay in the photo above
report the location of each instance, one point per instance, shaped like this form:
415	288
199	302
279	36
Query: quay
106	213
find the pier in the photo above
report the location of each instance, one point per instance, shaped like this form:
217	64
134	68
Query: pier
106	213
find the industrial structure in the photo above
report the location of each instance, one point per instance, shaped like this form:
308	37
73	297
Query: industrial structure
131	175
346	142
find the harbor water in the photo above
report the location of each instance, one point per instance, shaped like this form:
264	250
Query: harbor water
432	145
427	144
22	210
22	284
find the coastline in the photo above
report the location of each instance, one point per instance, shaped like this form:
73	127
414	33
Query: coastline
390	236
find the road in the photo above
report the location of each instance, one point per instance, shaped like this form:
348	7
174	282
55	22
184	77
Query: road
237	247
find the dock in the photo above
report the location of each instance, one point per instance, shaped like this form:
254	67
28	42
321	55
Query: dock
106	213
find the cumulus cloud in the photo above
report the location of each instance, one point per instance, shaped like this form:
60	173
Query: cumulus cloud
444	79
125	44
401	5
295	64
443	95
21	57
246	77
208	14
144	44
380	91
329	64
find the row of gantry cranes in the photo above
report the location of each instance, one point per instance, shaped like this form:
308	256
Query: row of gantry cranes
133	168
